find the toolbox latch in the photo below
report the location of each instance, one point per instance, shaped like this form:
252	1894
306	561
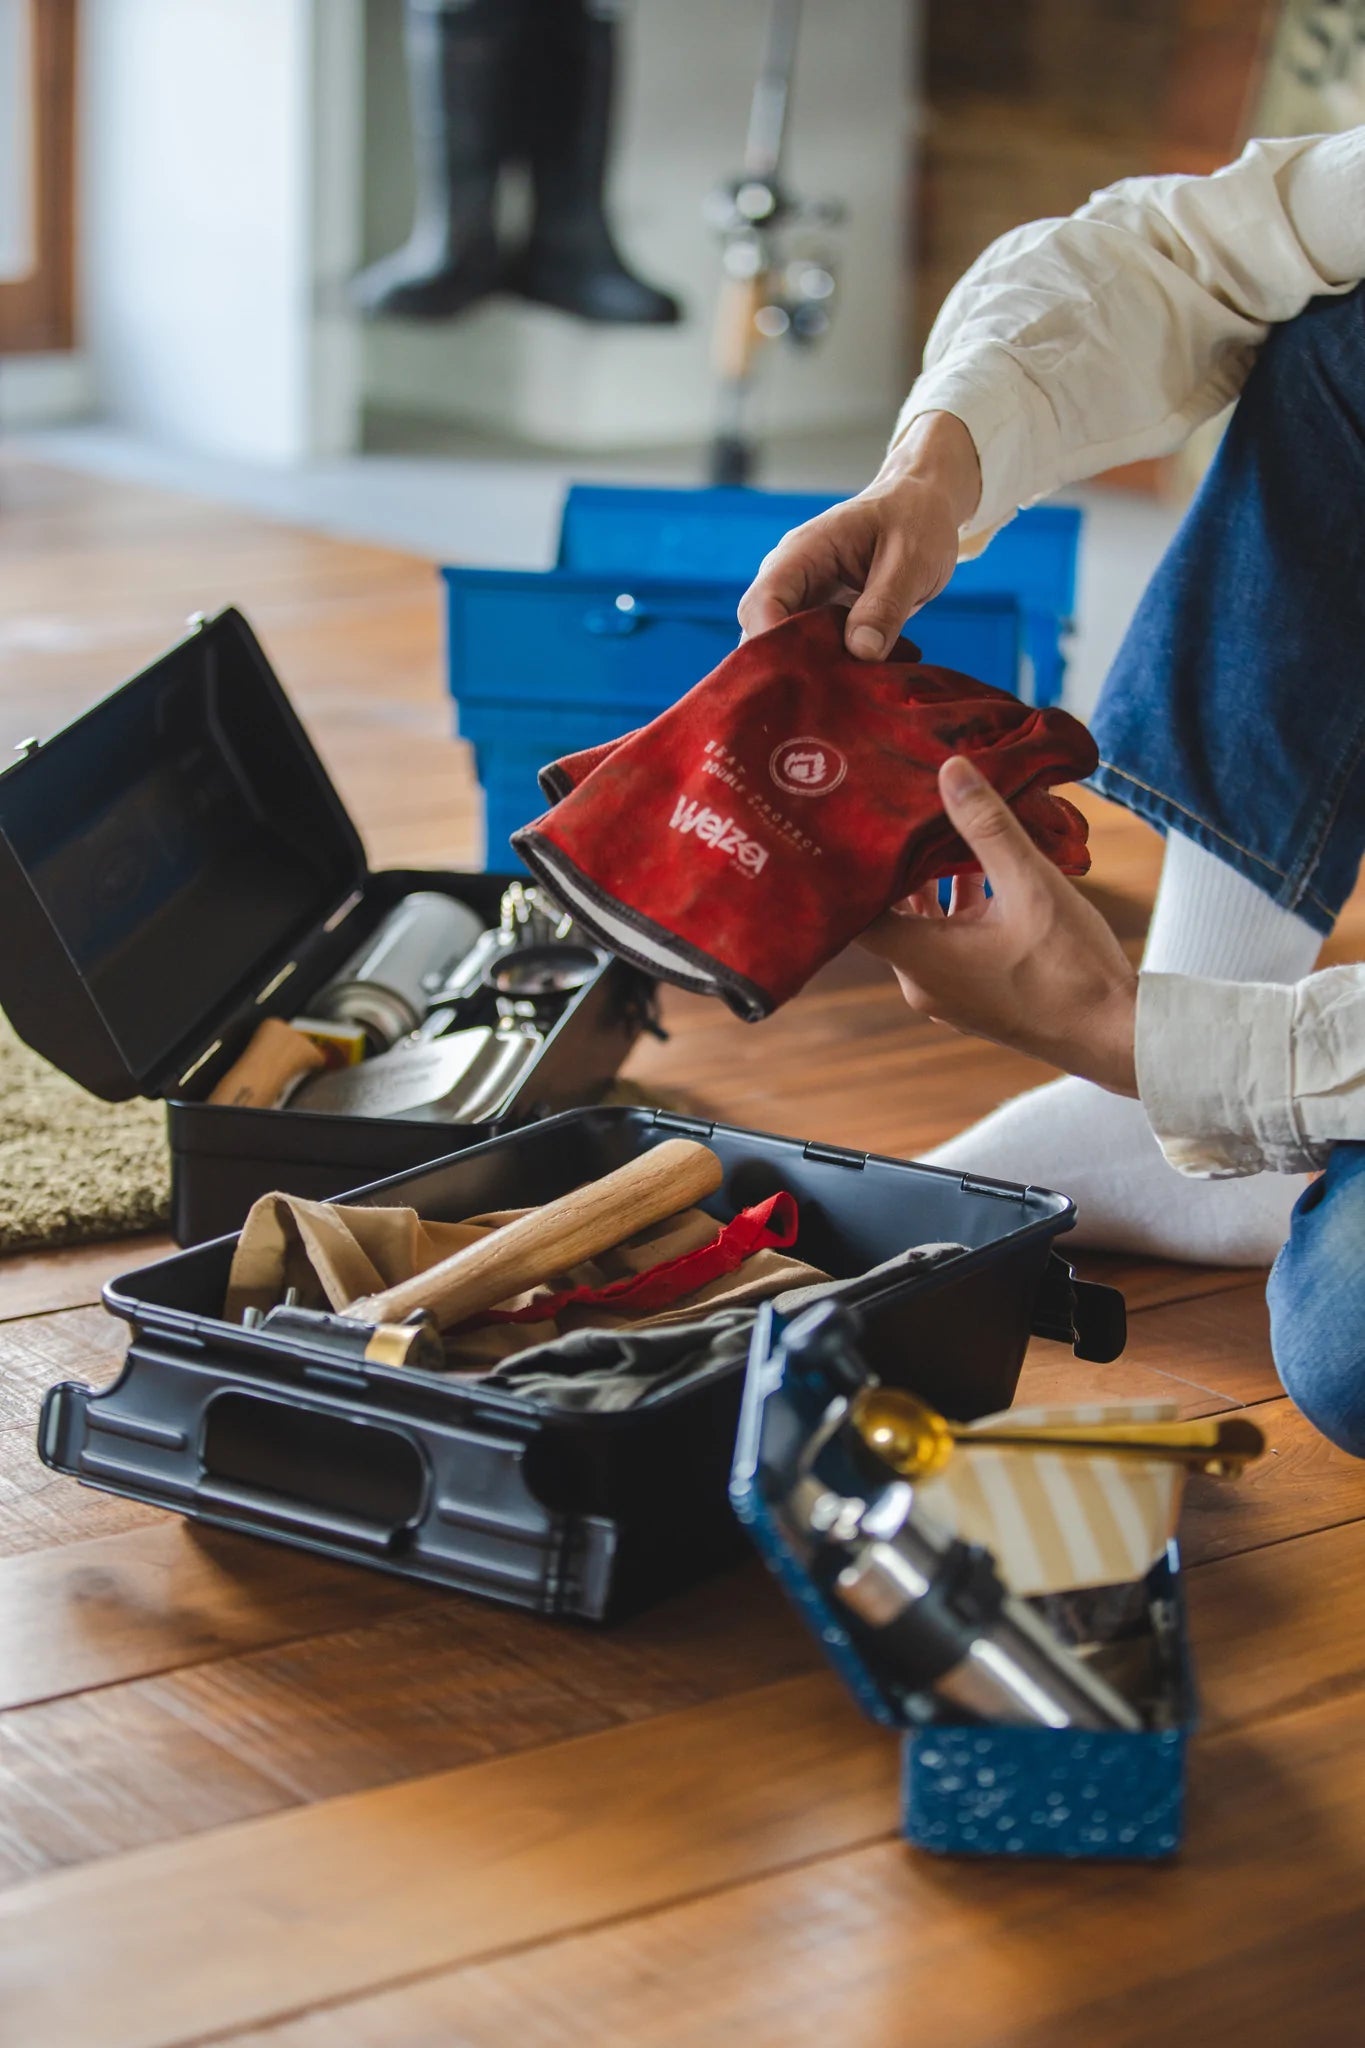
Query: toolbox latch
694	1126
834	1155
972	1186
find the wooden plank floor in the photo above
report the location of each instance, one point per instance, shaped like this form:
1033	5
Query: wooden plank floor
247	1796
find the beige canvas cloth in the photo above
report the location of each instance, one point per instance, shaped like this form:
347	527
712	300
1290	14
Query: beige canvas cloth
333	1255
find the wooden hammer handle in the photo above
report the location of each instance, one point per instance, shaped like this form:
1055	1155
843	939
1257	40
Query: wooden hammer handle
580	1225
276	1055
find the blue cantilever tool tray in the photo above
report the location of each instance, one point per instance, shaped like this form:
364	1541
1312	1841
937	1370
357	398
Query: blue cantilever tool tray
968	1788
641	605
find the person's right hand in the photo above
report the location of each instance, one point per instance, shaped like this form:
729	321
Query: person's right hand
884	553
1033	965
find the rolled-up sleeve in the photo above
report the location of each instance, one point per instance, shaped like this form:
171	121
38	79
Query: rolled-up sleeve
1245	1077
1073	345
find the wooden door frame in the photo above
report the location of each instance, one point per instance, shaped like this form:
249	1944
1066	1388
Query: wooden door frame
38	312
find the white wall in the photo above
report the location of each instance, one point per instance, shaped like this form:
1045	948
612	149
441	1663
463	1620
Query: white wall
45	390
684	105
210	196
222	213
16	140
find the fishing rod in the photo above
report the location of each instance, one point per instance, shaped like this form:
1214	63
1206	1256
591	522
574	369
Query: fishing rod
777	252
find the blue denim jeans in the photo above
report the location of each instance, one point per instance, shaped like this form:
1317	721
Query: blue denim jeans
1235	715
1235	710
1317	1302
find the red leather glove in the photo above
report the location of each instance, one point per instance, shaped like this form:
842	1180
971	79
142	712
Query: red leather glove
758	825
569	770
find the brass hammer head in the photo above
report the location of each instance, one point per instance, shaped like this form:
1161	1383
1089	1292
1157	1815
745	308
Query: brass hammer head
415	1342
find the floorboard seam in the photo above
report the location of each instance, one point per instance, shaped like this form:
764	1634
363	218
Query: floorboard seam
198	1663
1272	1542
506	1951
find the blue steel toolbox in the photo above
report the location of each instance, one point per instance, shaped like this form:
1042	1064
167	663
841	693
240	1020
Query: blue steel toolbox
641	605
176	866
569	1512
968	1787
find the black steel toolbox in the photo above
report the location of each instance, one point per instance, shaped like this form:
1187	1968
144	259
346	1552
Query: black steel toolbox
176	866
574	1513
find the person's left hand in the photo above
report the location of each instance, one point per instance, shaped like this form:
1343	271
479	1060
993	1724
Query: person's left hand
1033	966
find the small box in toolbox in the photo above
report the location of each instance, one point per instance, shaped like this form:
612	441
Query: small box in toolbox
176	866
590	1514
970	1788
640	607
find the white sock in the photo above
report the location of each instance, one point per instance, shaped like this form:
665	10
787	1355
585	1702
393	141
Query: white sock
1211	921
1099	1148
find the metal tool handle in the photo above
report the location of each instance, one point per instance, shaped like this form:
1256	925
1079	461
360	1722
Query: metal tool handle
580	1225
1216	1442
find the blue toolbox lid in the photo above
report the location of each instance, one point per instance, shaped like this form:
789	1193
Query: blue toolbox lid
780	1419
792	1441
162	859
723	533
719	533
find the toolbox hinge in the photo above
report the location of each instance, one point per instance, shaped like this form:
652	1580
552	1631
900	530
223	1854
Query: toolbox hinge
834	1155
695	1126
971	1186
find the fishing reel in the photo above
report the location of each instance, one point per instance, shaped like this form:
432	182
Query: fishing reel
784	250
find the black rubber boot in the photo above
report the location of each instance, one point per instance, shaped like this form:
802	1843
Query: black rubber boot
570	260
462	62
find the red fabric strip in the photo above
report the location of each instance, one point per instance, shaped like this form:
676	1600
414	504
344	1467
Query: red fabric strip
769	1226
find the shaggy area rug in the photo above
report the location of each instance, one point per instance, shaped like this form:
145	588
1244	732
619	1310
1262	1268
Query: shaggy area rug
74	1170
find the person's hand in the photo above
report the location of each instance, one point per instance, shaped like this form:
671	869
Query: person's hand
885	552
1033	966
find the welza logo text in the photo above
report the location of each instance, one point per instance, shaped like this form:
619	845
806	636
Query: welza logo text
720	832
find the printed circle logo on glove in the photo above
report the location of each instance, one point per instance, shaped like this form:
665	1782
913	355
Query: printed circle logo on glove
807	767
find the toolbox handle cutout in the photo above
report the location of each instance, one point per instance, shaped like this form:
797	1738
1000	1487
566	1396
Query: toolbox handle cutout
283	1465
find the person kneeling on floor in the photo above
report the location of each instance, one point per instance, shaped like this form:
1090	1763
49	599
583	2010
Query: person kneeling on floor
1233	718
1235	1077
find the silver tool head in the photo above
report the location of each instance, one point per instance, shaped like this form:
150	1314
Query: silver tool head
540	972
465	1077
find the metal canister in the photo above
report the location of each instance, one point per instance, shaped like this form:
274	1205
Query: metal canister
387	983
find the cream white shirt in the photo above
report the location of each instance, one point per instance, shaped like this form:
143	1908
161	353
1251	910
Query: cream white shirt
1073	345
1238	1077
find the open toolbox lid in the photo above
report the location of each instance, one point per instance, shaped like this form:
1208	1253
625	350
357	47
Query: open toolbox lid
782	1436
162	859
781	1413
